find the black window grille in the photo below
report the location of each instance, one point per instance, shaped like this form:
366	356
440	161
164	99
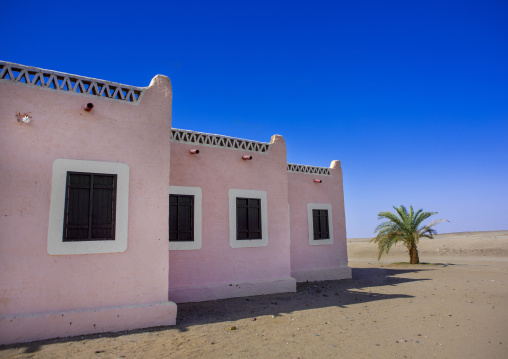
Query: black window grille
248	218
90	207
181	218
320	224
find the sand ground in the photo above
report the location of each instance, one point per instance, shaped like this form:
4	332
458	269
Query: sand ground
454	307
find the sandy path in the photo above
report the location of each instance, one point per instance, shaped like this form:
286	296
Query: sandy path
458	308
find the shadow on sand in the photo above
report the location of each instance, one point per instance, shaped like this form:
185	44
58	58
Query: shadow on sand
310	295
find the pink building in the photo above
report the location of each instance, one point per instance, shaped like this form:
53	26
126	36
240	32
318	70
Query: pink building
109	216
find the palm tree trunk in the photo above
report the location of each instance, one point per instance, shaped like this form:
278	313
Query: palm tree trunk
413	254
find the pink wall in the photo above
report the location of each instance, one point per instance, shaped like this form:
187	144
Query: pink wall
44	296
36	283
317	262
207	273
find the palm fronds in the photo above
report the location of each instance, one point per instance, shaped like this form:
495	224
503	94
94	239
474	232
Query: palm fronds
403	226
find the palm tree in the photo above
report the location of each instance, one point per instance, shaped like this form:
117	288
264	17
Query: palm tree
404	227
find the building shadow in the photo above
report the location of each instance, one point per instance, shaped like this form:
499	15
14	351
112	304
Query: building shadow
309	295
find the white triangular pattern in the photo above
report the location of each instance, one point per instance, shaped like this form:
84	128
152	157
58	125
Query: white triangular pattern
23	74
81	86
125	93
75	87
309	169
129	96
68	82
37	77
207	139
116	96
92	89
11	75
50	81
105	90
60	82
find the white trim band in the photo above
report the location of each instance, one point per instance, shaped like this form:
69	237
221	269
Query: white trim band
56	245
310	207
198	218
245	243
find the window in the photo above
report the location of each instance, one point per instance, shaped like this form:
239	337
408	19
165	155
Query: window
320	223
185	218
89	206
248	218
181	218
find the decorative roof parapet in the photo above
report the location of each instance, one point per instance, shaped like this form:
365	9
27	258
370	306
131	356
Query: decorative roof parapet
207	139
309	169
61	81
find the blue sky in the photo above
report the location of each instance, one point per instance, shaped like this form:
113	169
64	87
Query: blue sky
411	96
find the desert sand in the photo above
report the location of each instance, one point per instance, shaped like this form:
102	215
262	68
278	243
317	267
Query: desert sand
454	306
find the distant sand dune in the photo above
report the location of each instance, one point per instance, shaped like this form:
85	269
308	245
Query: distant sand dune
467	244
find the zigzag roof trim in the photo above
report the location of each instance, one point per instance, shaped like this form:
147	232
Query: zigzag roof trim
208	139
63	82
309	169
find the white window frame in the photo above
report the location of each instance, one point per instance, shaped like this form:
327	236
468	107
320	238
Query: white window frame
56	245
198	218
310	208
246	243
